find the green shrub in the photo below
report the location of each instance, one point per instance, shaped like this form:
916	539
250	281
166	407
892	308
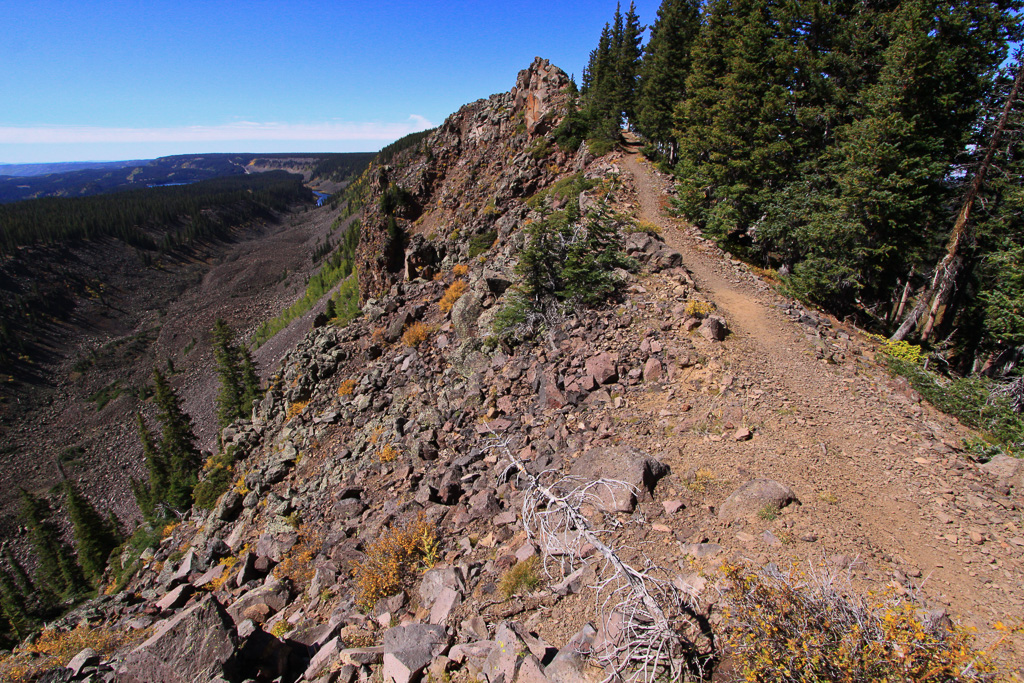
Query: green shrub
106	394
600	146
565	189
218	479
478	244
522	577
539	149
969	399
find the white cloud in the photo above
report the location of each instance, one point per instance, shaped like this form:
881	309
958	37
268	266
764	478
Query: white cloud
243	130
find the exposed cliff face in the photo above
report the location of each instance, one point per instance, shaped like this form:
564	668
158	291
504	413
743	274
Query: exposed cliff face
467	179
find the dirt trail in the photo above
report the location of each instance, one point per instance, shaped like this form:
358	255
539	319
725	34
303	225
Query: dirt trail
883	487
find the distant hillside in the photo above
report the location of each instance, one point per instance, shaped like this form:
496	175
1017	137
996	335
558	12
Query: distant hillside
30	170
102	178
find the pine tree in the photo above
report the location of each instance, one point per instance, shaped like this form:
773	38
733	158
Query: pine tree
18	574
57	572
251	391
732	129
12	605
94	539
177	445
627	65
663	72
149	495
225	353
240	386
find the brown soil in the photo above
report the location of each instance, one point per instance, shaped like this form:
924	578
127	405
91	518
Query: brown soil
878	473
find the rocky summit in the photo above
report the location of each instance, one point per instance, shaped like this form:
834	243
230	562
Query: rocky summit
419	498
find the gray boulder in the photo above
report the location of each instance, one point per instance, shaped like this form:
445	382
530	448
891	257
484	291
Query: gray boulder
713	328
409	649
634	475
196	645
753	497
466	312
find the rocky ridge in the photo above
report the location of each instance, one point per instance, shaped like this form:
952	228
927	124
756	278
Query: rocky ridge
362	432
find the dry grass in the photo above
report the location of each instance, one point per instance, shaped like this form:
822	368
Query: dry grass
460	270
451	295
347	387
391	560
769	274
228	563
416	334
54	649
645	226
789	628
701	480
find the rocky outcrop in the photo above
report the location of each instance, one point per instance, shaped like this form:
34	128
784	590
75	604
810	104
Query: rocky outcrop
464	182
540	95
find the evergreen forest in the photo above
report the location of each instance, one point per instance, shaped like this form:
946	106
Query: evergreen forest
866	154
151	218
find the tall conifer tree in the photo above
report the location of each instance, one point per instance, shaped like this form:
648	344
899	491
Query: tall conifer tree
663	72
177	444
57	572
94	539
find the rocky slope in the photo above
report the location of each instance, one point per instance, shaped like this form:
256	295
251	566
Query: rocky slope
761	432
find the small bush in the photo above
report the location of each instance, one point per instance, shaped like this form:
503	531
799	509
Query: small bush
451	295
600	146
392	558
280	628
416	334
900	350
460	270
347	387
297	565
699	309
388	453
701	480
645	227
228	563
522	577
296	408
217	478
786	629
107	394
478	244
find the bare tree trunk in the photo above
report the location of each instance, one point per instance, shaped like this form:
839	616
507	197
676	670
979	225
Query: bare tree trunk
947	273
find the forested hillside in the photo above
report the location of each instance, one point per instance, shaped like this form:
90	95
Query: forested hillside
38	287
836	144
181	169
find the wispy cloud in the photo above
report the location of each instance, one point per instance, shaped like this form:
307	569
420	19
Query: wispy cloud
243	130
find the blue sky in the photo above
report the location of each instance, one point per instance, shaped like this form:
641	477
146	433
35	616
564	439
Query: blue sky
132	80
